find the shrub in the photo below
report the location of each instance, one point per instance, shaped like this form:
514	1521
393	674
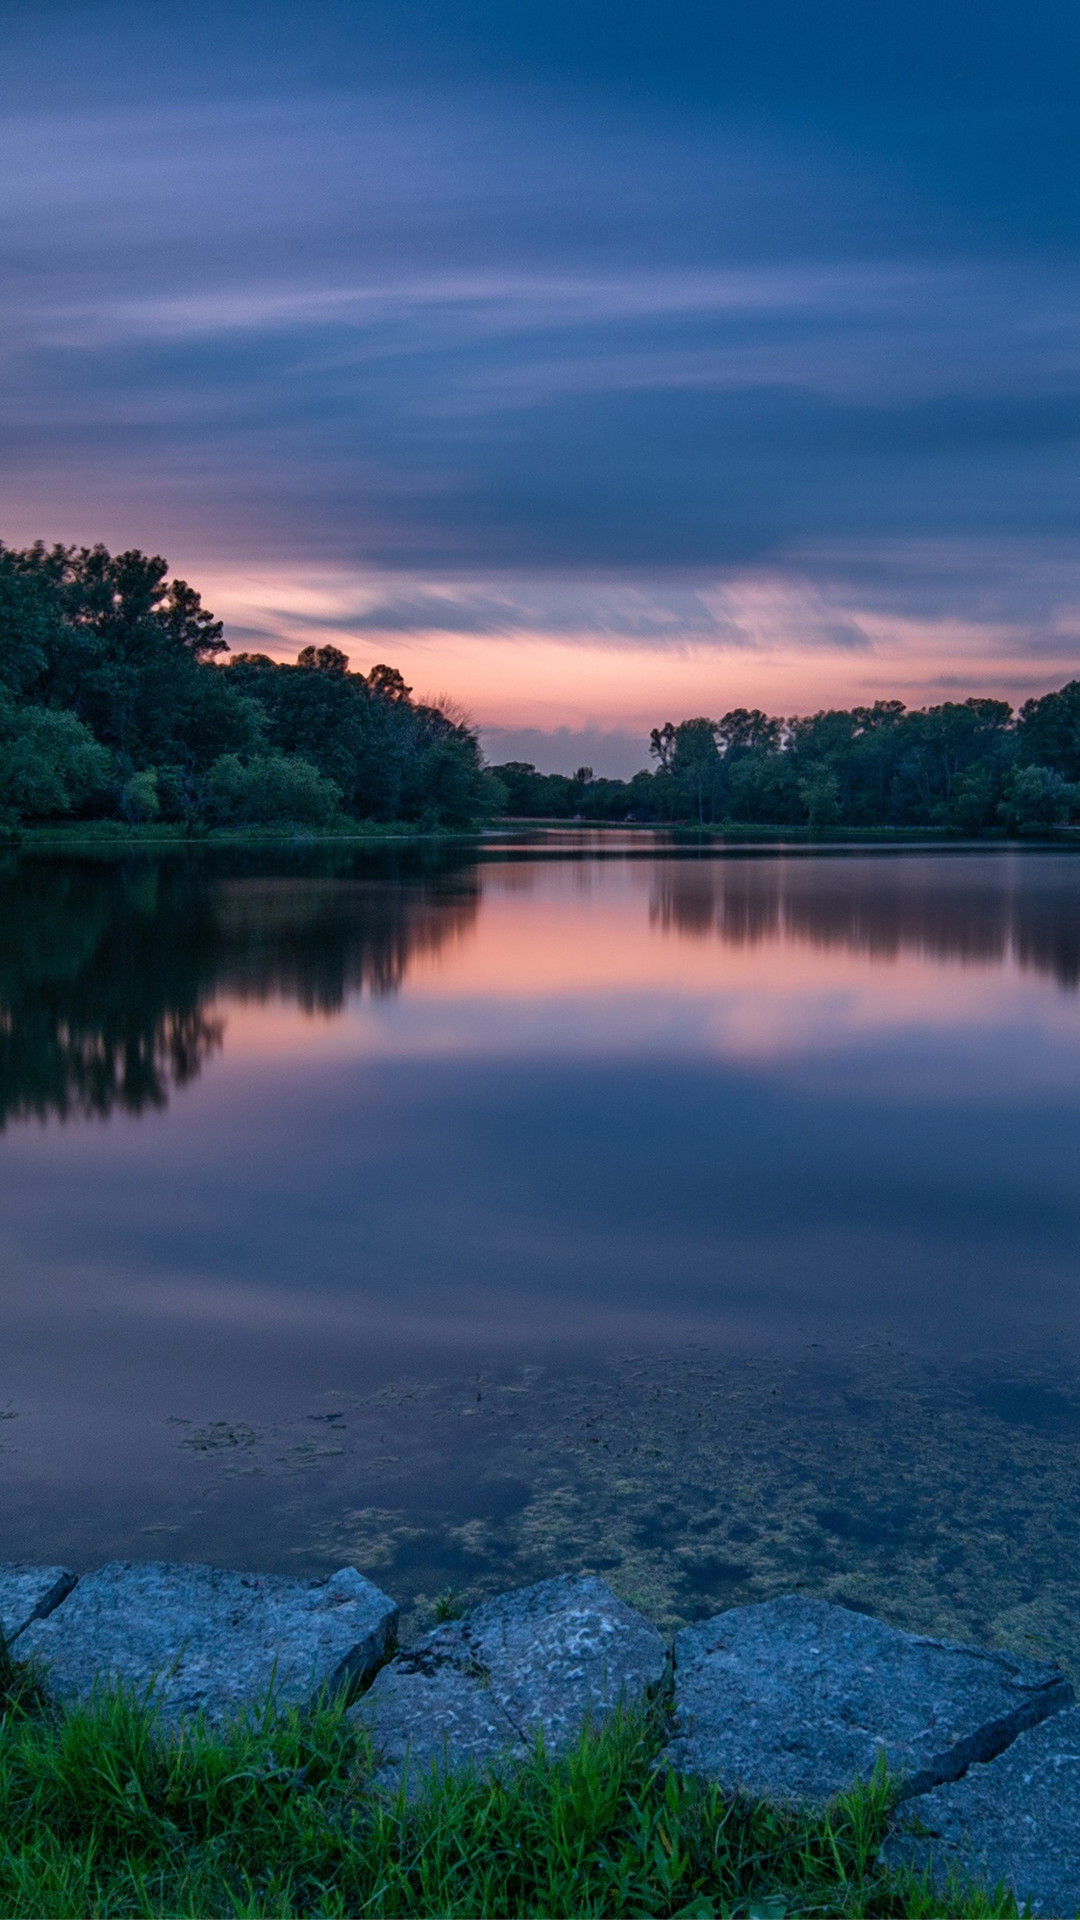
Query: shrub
49	762
271	788
1037	799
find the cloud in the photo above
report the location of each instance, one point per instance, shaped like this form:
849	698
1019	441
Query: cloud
676	336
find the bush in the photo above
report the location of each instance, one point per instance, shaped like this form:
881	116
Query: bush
270	788
139	797
49	762
1037	799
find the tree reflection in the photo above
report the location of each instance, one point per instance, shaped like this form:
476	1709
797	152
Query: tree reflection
974	909
109	969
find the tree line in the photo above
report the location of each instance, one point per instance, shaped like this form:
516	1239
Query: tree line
970	766
116	701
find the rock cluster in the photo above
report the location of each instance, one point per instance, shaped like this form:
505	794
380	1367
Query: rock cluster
790	1701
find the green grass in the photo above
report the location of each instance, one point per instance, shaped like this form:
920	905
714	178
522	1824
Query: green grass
102	1815
75	833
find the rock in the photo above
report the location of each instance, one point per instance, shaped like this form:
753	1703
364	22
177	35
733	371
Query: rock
28	1593
205	1639
1015	1819
795	1699
546	1659
434	1706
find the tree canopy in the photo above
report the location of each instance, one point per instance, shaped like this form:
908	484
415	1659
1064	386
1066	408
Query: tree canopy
118	698
115	700
970	766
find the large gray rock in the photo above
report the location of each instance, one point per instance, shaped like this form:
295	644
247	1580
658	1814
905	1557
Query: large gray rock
1016	1819
434	1706
544	1660
795	1700
30	1593
206	1639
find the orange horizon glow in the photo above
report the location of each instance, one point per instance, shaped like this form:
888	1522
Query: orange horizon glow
583	680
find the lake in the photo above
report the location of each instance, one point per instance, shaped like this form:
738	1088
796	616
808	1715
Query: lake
705	1215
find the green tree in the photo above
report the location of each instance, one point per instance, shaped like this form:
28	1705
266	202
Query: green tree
113	640
140	797
270	788
1038	799
690	764
49	763
820	793
1048	731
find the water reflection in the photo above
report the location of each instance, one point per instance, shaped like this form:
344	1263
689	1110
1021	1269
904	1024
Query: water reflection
592	1204
982	908
110	970
116	974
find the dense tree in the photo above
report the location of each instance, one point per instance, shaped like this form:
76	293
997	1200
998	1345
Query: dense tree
390	758
114	700
1048	731
1037	798
968	766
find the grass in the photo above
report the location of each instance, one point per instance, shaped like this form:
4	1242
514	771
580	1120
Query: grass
102	1815
75	833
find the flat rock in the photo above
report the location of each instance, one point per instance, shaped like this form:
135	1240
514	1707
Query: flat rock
29	1591
795	1700
1015	1819
433	1706
205	1639
543	1660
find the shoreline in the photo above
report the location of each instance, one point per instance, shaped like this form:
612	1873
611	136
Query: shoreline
678	835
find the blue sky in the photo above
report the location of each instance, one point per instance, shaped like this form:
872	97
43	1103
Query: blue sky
598	364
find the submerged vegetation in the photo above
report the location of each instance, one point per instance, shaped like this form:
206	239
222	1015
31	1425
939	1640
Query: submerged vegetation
116	704
101	1814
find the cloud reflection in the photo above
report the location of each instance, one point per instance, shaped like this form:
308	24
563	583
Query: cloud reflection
120	980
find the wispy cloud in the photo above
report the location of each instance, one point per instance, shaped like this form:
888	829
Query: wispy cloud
464	350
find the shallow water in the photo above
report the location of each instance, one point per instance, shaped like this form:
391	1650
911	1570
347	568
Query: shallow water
705	1216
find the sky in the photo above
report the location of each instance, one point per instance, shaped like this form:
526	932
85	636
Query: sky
598	364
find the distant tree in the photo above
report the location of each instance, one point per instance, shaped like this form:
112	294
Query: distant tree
820	793
31	616
1048	731
689	765
745	730
111	639
522	786
387	684
323	659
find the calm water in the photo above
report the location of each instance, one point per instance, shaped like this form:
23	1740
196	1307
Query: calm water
711	1218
